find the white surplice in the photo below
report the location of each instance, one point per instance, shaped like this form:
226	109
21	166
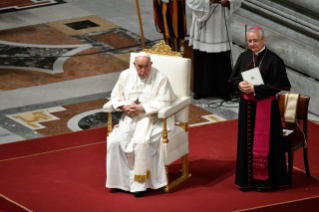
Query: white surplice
210	23
137	133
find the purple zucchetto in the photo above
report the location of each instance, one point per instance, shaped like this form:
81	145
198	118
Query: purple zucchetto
256	27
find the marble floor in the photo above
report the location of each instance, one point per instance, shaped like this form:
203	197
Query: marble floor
59	61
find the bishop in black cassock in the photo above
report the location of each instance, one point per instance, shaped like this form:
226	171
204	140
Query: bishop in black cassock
268	168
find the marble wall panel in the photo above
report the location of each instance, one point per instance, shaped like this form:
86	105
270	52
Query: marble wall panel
286	11
306	86
312	5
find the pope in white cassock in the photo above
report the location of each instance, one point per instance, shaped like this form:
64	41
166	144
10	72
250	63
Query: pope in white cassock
134	158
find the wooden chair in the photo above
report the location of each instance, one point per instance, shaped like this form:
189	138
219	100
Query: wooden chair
177	70
299	138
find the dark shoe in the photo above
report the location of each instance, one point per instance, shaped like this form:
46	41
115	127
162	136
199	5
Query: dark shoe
119	190
262	189
197	96
139	193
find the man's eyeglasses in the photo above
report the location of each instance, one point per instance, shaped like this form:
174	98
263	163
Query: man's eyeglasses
254	41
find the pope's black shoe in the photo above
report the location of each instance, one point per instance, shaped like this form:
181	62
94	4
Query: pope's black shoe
139	193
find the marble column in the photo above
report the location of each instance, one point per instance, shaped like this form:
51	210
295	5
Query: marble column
292	32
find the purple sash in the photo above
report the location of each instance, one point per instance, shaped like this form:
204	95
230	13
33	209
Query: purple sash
261	136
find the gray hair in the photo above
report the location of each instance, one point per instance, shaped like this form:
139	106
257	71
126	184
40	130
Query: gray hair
261	32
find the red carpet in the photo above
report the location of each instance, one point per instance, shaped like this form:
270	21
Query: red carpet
70	176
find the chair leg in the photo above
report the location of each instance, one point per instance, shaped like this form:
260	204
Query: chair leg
185	165
167	177
305	159
181	179
290	165
109	124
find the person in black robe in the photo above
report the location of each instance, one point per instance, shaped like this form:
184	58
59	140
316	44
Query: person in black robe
210	38
275	79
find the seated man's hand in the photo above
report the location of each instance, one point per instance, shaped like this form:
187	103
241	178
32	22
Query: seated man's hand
136	109
126	108
215	1
133	109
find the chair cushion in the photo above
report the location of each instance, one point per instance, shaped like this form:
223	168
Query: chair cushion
294	139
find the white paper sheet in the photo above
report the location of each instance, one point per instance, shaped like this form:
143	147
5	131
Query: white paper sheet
253	76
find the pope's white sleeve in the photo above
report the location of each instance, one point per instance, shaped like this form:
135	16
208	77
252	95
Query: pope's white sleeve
164	97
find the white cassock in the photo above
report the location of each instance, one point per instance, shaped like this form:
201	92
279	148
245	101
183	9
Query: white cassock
135	160
210	24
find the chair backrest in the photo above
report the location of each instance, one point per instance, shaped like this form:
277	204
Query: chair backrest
302	108
177	70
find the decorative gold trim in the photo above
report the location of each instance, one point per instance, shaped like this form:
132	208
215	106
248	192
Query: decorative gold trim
30	118
291	105
166	189
52	151
304	172
162	49
184	126
10	200
313	122
109	124
214	118
141	178
200	124
164	134
280	203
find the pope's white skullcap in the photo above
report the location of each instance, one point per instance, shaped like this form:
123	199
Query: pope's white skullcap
143	54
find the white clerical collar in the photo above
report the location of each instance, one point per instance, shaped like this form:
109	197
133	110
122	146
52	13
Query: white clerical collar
256	53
